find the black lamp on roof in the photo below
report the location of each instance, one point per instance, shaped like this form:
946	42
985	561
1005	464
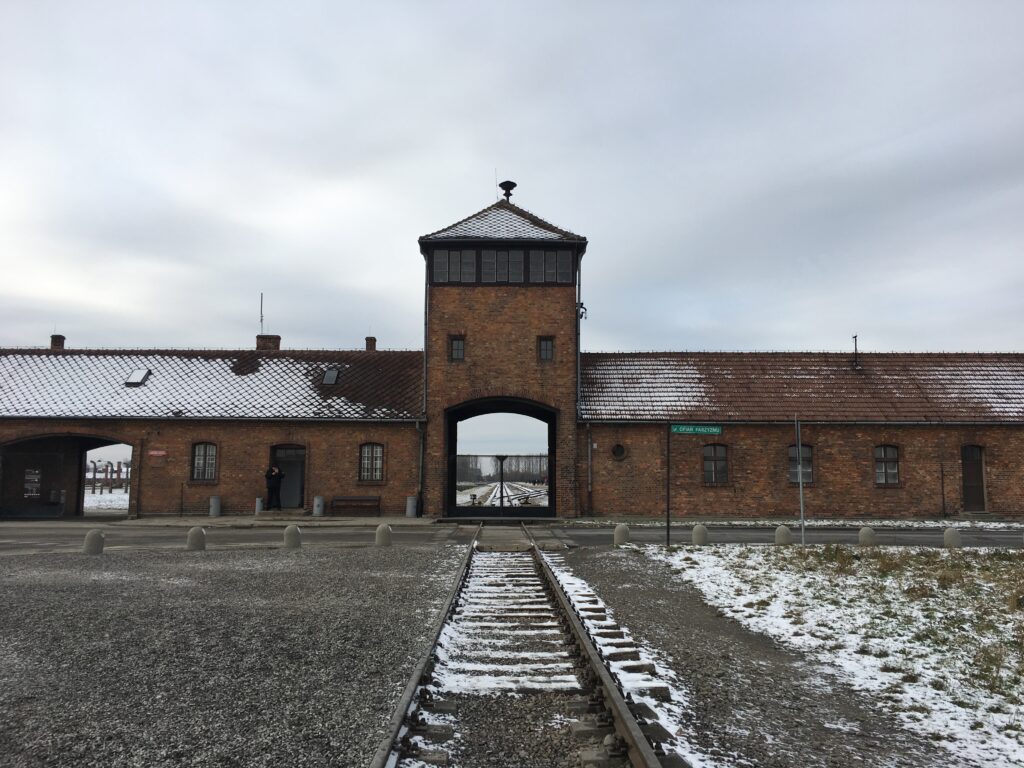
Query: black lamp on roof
508	186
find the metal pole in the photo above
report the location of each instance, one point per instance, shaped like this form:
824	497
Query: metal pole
668	484
501	482
800	479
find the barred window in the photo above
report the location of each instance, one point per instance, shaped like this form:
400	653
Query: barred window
204	461
807	453
545	348
716	464
887	465
456	348
371	461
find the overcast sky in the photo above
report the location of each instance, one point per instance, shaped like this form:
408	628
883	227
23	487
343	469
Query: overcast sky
750	175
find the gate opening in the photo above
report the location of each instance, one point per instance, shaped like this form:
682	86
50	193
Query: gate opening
501	460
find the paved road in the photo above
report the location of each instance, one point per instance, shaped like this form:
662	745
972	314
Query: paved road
58	535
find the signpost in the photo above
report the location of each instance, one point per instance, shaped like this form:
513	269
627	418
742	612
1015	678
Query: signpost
800	478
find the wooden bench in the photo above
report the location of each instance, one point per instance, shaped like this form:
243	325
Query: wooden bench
358	503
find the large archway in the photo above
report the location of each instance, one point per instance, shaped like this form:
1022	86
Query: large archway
45	476
527	491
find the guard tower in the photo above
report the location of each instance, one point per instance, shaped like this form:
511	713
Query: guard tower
501	336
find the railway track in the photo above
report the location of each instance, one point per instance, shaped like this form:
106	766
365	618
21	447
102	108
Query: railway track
521	675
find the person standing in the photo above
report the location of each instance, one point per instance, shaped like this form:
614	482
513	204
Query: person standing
274	477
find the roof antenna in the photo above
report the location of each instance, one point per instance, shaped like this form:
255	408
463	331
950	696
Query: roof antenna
856	359
495	182
261	313
508	186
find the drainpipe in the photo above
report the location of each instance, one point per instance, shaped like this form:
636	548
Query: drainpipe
590	473
419	478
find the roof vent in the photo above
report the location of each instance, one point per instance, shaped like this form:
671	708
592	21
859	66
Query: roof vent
508	186
267	342
137	377
856	356
56	342
371	343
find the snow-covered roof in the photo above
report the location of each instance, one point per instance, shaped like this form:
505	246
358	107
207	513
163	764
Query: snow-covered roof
387	385
211	384
503	221
817	386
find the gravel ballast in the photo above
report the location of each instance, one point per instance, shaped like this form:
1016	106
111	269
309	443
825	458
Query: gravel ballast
231	657
751	703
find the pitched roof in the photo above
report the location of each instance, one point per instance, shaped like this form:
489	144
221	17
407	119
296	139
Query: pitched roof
503	221
211	384
775	386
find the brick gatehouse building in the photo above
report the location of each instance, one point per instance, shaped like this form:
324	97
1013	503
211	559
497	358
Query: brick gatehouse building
693	433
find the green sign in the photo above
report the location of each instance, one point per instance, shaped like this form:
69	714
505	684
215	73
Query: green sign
696	429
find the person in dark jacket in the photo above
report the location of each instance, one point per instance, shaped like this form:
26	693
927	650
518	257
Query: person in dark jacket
274	477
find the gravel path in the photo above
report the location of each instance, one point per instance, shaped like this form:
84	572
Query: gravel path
753	703
217	658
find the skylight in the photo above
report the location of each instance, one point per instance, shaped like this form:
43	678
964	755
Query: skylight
331	376
137	377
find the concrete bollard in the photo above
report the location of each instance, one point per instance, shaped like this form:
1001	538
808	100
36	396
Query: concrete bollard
621	535
259	504
783	536
196	540
866	537
383	537
318	506
215	506
93	544
700	535
292	537
951	538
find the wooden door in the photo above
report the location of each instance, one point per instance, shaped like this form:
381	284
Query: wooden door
973	466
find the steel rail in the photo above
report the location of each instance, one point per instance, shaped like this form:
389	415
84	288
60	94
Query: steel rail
389	743
639	750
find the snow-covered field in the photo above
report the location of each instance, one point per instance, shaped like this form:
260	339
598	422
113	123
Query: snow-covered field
118	500
931	633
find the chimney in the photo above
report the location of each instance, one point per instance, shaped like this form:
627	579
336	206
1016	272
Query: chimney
56	342
267	342
371	343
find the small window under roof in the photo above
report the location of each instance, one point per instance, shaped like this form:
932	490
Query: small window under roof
137	377
331	376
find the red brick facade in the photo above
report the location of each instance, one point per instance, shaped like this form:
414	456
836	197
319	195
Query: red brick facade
843	471
162	484
500	326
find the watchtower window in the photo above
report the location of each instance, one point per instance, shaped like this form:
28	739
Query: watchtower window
551	267
440	266
488	266
501	266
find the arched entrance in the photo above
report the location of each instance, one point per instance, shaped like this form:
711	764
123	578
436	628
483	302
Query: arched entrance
291	458
45	476
508	497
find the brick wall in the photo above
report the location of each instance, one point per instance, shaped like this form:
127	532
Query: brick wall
243	454
843	471
501	325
